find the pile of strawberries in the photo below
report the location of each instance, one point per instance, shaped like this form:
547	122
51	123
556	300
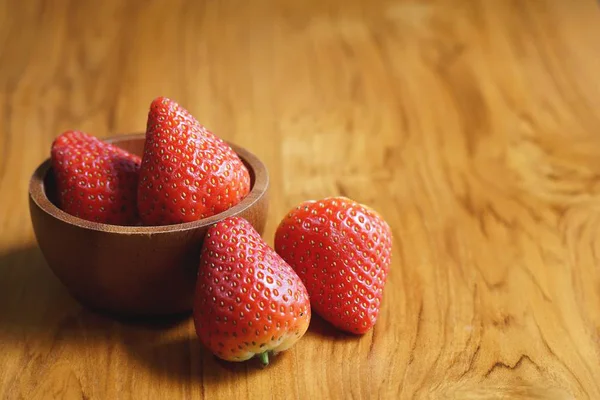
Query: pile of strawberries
331	256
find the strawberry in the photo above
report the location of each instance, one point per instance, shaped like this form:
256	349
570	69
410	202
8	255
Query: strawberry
341	250
187	172
248	301
95	180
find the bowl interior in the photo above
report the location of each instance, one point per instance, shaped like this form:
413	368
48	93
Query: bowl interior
135	145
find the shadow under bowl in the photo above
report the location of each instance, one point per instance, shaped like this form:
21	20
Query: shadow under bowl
132	270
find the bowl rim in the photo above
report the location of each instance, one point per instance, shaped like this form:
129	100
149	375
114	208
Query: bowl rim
37	194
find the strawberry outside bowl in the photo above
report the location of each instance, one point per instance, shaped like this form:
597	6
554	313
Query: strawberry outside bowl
132	270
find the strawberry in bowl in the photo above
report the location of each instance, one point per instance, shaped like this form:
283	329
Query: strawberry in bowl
187	172
95	180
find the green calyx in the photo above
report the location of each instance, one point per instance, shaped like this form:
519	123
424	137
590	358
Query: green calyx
264	358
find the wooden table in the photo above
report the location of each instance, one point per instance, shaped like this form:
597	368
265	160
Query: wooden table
472	126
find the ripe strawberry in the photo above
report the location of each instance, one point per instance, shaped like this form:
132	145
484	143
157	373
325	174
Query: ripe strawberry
95	180
187	172
341	250
248	301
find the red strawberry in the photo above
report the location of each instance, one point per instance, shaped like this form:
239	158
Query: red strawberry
95	180
187	172
341	250
248	301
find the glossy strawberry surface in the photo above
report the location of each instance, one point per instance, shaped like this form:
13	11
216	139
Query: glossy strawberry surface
342	252
187	172
248	300
95	180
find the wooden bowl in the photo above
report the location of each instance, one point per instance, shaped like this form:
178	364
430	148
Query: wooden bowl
146	270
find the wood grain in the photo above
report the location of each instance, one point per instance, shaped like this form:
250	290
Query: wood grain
472	126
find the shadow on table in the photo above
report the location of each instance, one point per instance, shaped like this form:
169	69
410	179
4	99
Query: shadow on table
320	327
33	300
34	304
31	297
185	359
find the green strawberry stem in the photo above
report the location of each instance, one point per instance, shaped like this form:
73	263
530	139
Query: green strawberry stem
264	358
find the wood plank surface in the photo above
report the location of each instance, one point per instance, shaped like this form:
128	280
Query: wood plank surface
471	125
